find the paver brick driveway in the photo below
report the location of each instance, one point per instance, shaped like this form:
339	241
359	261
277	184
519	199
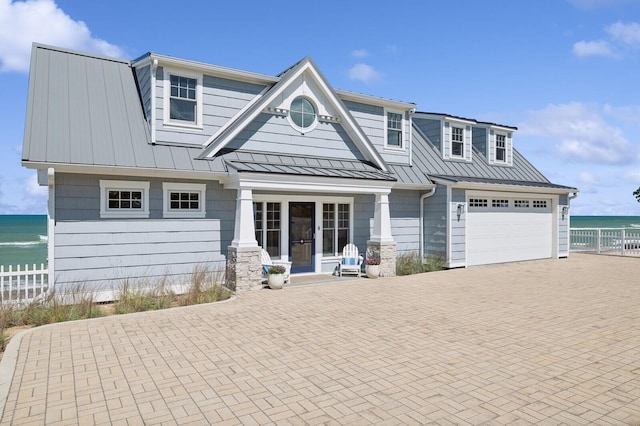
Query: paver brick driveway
543	342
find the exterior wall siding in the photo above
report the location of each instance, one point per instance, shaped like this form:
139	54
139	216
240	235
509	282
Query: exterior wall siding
479	140
431	129
93	250
102	255
143	76
363	210
372	120
458	228
221	100
273	134
435	223
404	208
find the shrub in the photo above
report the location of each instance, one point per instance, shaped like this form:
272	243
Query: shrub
373	261
204	287
410	263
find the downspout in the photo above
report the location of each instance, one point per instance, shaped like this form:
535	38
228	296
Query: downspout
421	239
574	196
154	67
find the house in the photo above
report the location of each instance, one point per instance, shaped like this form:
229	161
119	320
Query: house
160	164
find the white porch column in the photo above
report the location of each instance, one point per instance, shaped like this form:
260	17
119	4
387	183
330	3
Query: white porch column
382	219
244	271
244	234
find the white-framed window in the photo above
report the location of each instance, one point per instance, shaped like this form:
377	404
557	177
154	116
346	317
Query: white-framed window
303	115
539	204
336	218
500	147
183	199
124	199
268	226
393	136
500	203
521	204
182	99
457	141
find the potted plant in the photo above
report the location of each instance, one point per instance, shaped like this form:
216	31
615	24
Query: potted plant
276	277
372	267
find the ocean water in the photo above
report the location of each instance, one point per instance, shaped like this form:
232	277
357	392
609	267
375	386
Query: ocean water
630	222
23	240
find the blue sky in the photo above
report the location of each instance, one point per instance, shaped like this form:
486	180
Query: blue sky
565	72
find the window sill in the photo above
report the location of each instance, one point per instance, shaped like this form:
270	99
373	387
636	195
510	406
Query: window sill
184	215
124	215
394	148
179	125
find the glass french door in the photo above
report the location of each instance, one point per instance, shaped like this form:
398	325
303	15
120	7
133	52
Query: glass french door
302	236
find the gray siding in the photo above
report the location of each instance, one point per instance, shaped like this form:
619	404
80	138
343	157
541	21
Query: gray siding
143	76
221	100
273	134
372	120
435	223
93	250
103	254
432	129
479	140
363	209
404	207
458	228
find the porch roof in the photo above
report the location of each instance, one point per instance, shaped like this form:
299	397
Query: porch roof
255	162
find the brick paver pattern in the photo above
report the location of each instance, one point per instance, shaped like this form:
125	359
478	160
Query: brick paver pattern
541	342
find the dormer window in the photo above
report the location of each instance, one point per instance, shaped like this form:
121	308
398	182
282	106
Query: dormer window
457	141
183	104
393	135
182	99
501	148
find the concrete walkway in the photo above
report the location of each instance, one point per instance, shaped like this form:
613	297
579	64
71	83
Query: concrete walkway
543	342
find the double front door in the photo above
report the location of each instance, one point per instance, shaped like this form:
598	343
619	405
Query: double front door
302	236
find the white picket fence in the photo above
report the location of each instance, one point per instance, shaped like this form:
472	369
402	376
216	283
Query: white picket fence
23	285
624	242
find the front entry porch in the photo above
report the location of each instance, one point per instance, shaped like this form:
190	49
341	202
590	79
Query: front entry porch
308	230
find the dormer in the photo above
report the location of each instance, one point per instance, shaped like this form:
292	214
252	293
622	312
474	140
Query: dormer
495	142
450	134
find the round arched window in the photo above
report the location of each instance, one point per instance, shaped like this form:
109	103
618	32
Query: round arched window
302	113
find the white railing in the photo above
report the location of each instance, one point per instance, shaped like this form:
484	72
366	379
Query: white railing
625	242
22	285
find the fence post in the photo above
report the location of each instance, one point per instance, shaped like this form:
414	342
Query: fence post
599	240
623	237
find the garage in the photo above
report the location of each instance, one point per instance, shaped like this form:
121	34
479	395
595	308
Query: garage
508	228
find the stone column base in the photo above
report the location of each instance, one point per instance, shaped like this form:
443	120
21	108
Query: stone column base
244	269
387	254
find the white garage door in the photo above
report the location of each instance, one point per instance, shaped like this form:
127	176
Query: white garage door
501	229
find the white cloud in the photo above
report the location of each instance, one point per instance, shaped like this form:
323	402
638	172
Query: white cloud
627	113
625	33
581	134
592	48
360	53
365	73
42	21
33	189
632	176
587	182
